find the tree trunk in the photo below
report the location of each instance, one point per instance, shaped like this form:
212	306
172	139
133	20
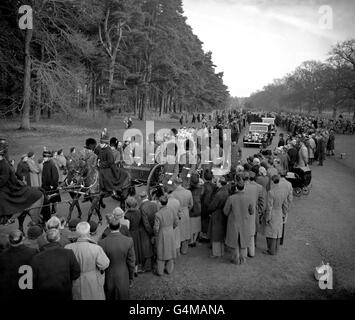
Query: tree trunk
88	95
38	104
110	78
25	120
94	97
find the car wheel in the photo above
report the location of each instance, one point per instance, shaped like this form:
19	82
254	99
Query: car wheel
306	191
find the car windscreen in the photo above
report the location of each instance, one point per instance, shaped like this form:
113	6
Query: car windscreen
258	128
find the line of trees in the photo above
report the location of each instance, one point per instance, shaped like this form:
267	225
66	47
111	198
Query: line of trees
314	86
107	56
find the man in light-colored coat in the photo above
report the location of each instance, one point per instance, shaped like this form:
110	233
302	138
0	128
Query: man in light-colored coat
174	204
165	223
276	205
186	203
239	209
93	261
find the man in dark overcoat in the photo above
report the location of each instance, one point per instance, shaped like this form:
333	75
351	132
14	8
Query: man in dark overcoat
54	270
50	180
218	221
120	251
11	260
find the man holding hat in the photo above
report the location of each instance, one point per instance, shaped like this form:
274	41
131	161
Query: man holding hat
11	260
93	261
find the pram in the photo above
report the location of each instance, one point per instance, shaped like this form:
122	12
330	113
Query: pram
300	179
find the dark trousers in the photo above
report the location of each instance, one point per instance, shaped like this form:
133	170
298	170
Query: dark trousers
273	245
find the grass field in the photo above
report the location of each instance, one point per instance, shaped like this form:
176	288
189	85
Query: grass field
59	133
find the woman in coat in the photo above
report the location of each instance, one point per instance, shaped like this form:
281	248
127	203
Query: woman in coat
141	240
93	261
218	221
34	170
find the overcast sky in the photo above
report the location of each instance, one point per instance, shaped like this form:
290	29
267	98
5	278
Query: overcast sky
256	41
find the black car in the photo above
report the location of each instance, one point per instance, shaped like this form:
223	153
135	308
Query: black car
259	134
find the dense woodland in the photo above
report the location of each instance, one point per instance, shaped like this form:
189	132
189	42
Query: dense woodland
314	86
107	56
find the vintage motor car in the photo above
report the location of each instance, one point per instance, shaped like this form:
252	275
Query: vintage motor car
259	134
272	122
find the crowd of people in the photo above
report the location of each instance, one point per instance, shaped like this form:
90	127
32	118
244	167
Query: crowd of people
77	260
